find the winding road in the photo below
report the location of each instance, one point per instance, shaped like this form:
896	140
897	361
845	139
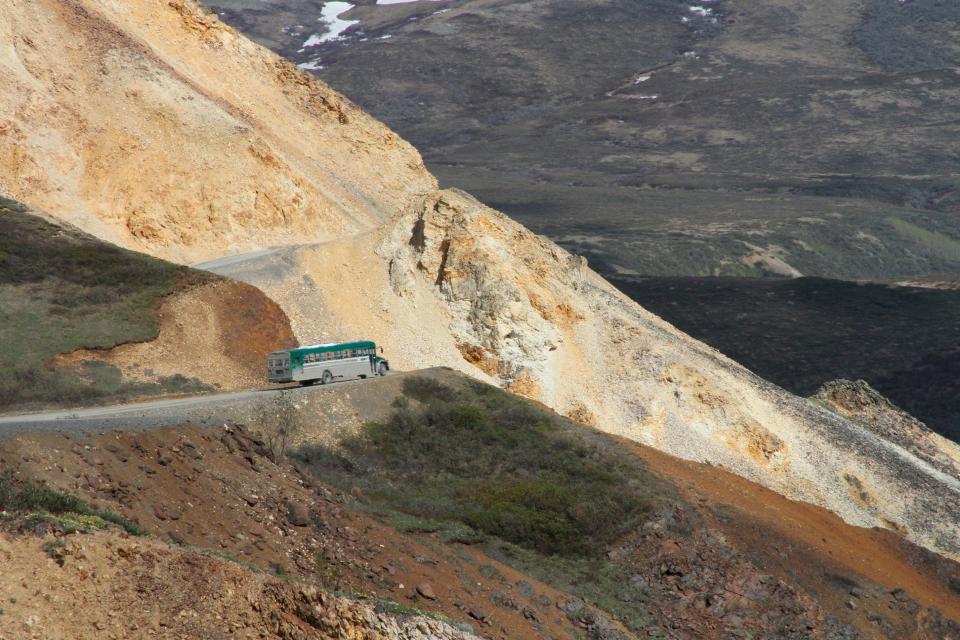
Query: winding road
236	406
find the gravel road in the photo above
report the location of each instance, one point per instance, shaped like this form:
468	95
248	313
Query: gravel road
239	406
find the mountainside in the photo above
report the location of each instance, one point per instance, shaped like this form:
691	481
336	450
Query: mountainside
434	276
667	138
83	321
155	127
799	333
438	505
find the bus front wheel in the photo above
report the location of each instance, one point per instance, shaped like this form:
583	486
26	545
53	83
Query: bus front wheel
327	377
382	370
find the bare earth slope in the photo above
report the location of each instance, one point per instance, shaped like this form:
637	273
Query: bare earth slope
160	129
711	556
442	281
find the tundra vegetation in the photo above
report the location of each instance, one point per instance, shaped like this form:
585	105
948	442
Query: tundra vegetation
483	466
61	290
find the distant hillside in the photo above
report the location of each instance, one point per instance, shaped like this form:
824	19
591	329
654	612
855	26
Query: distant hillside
67	299
802	333
670	138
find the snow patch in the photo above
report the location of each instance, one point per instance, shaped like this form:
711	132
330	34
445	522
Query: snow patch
330	14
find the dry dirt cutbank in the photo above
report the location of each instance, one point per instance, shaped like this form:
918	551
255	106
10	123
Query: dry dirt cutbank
218	333
113	586
151	124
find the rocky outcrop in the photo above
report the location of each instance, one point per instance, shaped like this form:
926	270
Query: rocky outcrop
861	403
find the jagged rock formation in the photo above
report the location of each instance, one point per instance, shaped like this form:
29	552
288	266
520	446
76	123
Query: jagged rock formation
861	403
443	280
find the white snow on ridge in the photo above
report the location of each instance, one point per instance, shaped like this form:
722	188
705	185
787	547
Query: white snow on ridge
701	11
330	14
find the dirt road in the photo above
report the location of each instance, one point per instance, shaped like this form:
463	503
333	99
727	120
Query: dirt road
239	406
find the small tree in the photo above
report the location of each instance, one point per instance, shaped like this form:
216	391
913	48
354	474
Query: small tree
279	423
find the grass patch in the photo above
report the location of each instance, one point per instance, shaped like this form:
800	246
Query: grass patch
472	462
67	511
61	290
933	242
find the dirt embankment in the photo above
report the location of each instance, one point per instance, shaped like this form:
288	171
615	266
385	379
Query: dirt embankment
104	585
218	333
211	488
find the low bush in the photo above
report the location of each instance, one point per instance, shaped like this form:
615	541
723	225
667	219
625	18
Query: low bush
496	463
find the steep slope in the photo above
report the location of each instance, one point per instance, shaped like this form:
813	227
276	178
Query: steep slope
156	127
445	280
83	321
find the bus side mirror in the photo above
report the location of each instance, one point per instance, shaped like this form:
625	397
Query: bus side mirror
381	349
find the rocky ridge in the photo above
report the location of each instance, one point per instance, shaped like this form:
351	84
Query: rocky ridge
861	403
434	276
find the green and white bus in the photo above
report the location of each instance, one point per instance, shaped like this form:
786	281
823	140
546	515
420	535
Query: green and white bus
326	362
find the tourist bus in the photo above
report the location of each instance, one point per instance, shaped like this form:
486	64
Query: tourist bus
326	363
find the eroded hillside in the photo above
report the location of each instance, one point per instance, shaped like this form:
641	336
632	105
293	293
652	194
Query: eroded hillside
83	321
438	501
154	126
435	277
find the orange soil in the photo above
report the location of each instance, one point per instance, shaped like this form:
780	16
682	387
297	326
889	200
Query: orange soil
237	502
821	544
219	333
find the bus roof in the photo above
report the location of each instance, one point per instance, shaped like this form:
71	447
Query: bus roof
332	346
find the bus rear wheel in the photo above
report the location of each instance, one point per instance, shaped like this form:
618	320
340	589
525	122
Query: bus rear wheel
327	377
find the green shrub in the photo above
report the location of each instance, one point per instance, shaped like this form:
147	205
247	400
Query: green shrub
69	511
497	464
